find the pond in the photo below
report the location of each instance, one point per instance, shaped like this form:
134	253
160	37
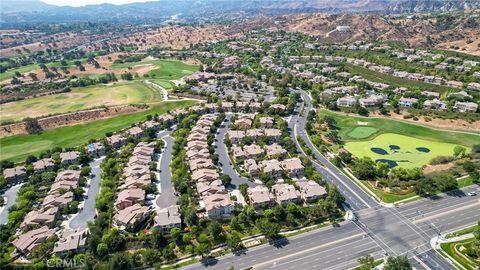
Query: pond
391	163
379	151
423	149
394	147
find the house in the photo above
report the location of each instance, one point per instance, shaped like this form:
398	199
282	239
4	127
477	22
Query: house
129	197
68	175
266	122
275	151
152	125
285	193
407	102
311	190
15	175
60	201
271	167
196	145
136	170
207	188
279	107
346	101
235	136
28	241
218	205
254	133
431	94
116	141
435	104
142	182
474	86
193	154
41	217
260	196
200	163
252	151
139	160
43	165
293	166
69	157
238	153
460	94
251	167
465	106
205	175
95	149
131	215
71	241
243	123
272	134
135	132
168	218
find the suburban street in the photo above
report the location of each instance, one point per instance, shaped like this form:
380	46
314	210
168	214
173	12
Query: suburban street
11	195
223	158
167	195
379	231
88	212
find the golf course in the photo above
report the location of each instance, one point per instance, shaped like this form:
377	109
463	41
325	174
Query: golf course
395	142
81	98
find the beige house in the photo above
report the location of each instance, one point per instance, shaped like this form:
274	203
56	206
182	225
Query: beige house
285	193
251	167
252	151
168	218
28	241
271	167
294	167
15	175
235	136
205	175
69	157
42	217
311	190
116	141
218	205
238	153
272	134
260	196
43	165
71	241
131	215
60	201
275	151
266	122
135	132
129	197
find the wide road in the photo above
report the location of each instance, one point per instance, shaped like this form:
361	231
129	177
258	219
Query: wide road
88	212
167	195
11	194
223	158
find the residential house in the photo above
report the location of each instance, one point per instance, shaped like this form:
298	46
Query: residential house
272	134
129	197
254	133
218	205
293	166
131	216
275	151
205	175
116	141
135	132
43	165
41	217
95	149
252	151
60	201
266	122
27	242
285	193
260	196
465	106
435	104
407	102
71	241
69	157
347	101
15	175
168	218
271	167
235	136
311	190
251	167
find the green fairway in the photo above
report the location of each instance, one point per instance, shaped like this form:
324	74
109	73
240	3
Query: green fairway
80	99
407	152
348	123
17	148
362	132
167	69
29	68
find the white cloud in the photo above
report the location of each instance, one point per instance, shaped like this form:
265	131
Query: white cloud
78	3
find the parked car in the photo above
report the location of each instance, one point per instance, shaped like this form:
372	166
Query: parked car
473	193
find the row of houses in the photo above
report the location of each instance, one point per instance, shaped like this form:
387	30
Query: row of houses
215	199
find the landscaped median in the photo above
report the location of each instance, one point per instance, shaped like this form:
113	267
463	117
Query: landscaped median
462	247
17	148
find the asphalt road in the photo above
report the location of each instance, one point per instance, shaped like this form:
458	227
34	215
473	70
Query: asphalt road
11	195
88	212
167	194
223	158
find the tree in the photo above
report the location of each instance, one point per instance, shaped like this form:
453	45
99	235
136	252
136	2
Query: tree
397	263
366	263
334	195
202	249
32	126
459	151
120	261
364	168
269	229
424	187
234	241
114	240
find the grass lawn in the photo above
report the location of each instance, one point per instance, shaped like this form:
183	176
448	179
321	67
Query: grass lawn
452	250
28	68
362	132
80	99
462	231
407	152
164	83
167	69
17	148
347	123
465	182
396	81
375	263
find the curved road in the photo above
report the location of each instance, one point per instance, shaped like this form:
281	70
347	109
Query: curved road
224	159
88	213
167	195
11	194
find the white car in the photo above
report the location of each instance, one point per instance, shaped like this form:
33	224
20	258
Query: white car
473	193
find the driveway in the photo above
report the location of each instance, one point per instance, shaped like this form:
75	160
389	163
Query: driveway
88	212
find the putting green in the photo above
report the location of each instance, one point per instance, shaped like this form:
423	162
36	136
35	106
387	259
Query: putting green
362	132
404	151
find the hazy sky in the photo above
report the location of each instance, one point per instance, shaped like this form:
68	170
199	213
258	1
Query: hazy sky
77	3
